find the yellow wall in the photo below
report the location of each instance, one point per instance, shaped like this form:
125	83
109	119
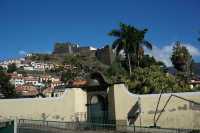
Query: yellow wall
178	113
60	108
124	101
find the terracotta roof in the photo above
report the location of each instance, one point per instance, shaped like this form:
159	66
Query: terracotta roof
30	78
78	83
11	74
56	82
27	90
48	90
195	82
45	76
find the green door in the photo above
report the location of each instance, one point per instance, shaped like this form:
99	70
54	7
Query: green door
97	110
7	127
96	113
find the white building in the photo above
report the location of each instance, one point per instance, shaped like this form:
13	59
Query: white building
49	66
17	81
31	80
17	62
40	66
4	66
29	55
28	68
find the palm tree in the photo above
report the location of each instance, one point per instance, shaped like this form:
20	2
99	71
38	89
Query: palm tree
131	41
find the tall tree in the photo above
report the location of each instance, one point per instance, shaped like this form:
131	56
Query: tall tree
181	58
12	68
5	87
148	61
131	41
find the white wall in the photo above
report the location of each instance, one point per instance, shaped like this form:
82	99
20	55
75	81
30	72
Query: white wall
59	108
178	113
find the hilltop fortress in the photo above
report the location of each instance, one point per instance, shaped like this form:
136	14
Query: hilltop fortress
105	54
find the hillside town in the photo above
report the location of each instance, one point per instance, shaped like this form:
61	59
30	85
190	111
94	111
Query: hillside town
31	85
32	78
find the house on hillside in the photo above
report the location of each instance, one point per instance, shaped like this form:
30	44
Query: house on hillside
16	79
45	78
58	91
28	67
41	66
56	83
194	83
55	79
49	66
78	83
17	62
32	80
48	92
27	90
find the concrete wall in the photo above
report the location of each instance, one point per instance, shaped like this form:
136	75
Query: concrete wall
111	104
178	113
124	101
59	109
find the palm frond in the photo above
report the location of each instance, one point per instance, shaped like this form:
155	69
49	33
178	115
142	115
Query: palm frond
116	43
119	48
147	44
115	33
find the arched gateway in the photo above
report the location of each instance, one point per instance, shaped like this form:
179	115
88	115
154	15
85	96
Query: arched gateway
97	99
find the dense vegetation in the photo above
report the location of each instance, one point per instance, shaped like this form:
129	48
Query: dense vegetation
181	58
5	87
146	75
12	68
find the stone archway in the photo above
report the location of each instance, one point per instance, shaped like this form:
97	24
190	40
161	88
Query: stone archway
97	98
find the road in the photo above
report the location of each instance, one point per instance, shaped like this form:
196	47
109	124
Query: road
53	130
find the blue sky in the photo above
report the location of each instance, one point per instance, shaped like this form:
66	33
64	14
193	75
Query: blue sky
35	25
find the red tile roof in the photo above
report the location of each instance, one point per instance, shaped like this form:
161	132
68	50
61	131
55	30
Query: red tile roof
27	90
78	83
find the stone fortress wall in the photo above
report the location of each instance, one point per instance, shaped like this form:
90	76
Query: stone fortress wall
105	54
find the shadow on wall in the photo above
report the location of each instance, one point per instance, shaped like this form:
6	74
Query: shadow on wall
134	113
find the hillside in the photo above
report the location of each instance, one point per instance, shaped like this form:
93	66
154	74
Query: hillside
196	68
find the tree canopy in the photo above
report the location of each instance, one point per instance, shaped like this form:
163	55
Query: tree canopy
6	88
12	68
152	80
130	40
181	58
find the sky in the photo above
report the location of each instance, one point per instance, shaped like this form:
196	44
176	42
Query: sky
35	25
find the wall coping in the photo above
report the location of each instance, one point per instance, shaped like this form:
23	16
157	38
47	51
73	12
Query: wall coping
41	99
